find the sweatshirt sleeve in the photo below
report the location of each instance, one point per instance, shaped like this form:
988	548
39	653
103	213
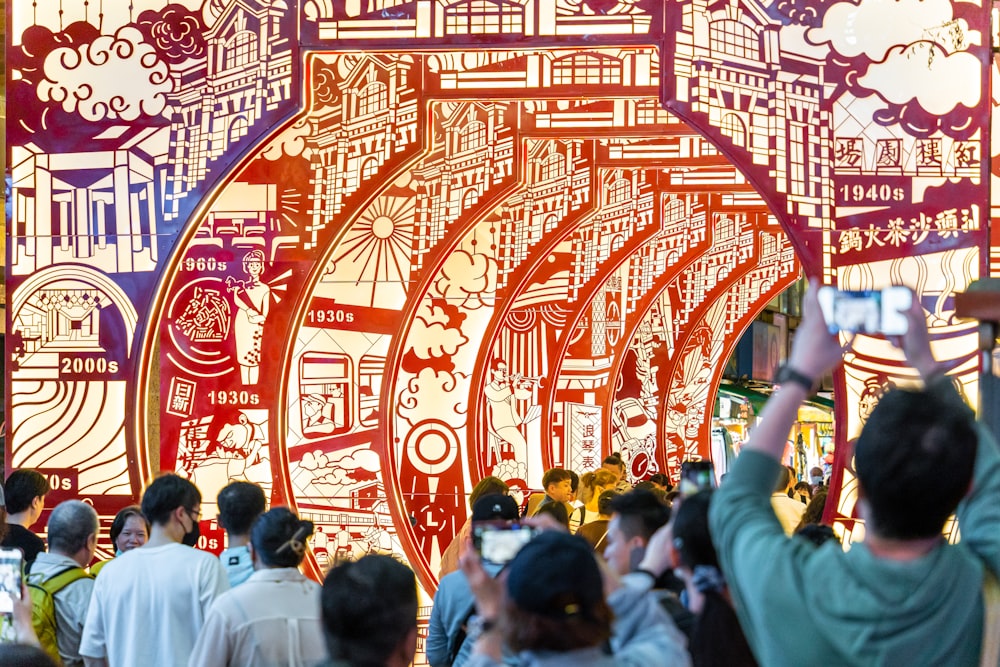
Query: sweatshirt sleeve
979	513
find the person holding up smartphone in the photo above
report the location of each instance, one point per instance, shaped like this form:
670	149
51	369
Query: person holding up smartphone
904	595
493	516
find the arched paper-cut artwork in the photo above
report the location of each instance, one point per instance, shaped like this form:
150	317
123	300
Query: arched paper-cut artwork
348	252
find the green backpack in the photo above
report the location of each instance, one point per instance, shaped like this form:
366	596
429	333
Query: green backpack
43	605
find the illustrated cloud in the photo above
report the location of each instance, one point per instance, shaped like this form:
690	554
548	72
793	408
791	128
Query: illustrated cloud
467	280
118	77
923	72
291	142
432	335
441	395
874	26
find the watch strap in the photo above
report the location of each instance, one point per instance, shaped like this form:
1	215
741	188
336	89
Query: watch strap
478	626
788	375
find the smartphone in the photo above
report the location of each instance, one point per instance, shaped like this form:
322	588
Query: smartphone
499	541
866	311
11	570
696	476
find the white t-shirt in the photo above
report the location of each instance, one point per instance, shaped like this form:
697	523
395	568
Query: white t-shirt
271	619
149	604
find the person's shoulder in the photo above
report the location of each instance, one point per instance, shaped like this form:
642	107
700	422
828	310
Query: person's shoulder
453	581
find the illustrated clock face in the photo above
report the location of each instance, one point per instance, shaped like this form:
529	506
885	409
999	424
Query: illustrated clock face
366	254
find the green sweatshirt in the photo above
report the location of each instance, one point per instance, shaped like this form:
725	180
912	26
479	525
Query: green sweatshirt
804	605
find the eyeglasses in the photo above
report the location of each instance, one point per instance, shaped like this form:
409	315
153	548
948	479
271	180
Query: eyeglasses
194	514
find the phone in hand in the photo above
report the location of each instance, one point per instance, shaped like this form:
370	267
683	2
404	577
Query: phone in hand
499	541
11	574
866	311
696	476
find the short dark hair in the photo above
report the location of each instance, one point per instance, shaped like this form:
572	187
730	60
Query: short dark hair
914	459
279	537
691	535
604	501
554	476
614	459
640	513
165	493
368	607
558	511
661	479
71	524
124	514
486	486
240	503
22	487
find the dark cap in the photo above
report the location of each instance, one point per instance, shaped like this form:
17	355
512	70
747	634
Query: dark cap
493	507
555	575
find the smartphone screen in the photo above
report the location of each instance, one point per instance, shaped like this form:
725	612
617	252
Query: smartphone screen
499	542
10	577
696	476
866	311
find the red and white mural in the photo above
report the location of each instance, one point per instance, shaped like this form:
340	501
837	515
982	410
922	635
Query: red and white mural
366	253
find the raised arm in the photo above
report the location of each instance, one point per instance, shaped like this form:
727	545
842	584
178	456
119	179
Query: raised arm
814	352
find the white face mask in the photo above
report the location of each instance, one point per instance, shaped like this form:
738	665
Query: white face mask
816	480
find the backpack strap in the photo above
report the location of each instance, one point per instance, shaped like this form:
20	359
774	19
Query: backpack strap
61	580
455	642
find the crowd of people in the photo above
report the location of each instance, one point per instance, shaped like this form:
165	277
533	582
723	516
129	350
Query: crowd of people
591	572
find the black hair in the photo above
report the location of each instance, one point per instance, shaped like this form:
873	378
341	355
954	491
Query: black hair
691	537
486	486
165	494
279	537
615	459
914	441
70	525
556	510
22	487
604	501
240	503
24	655
574	481
369	607
717	638
124	514
662	480
640	513
554	476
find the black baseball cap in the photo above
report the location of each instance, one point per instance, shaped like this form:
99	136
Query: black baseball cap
495	507
555	575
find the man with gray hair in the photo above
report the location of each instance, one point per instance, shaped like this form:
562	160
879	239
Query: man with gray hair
59	571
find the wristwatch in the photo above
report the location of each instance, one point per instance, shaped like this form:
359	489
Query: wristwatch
478	625
788	375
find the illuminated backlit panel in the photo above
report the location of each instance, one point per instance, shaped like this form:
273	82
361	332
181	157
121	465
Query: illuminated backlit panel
113	141
864	126
324	256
